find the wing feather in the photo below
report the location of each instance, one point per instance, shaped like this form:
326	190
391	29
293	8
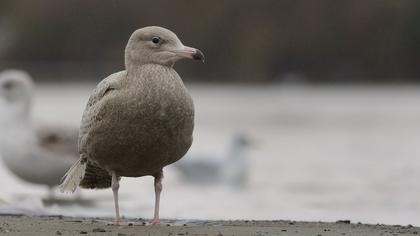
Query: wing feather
61	140
83	172
93	106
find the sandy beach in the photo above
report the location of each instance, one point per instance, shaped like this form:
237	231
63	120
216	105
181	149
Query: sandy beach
59	225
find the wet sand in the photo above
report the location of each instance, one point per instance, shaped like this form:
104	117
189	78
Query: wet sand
59	225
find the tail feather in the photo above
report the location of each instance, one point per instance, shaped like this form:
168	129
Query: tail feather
95	177
73	177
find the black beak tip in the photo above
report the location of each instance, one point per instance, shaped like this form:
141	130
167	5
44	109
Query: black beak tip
199	56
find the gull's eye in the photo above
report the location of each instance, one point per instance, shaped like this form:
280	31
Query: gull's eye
8	85
156	40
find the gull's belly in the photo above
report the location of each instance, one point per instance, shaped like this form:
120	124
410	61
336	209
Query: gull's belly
138	143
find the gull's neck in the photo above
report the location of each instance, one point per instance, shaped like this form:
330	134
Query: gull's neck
16	134
136	72
18	114
236	150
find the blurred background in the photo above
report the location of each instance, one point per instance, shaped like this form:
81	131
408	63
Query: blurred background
305	110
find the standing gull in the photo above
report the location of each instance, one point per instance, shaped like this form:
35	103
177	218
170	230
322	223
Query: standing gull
137	121
39	155
233	169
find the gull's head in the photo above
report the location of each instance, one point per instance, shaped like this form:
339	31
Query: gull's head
16	88
157	45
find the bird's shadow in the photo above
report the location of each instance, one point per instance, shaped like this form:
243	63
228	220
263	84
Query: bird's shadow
85	202
76	201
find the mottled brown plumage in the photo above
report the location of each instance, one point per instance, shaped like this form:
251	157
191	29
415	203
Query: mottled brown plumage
138	120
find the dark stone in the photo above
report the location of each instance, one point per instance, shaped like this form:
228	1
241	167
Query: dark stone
343	221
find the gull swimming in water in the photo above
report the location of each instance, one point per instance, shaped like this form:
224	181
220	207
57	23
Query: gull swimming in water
137	121
233	169
38	155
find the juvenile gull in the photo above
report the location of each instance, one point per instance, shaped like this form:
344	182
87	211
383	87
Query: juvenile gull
39	155
138	120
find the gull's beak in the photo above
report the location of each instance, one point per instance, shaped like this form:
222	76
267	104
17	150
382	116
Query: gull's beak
191	53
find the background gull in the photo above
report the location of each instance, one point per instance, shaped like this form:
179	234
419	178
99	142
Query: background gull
137	121
36	154
231	169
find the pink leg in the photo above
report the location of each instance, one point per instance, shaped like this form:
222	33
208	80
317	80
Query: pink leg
115	185
158	190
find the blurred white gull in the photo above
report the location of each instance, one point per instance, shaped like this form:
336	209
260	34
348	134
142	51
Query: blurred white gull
39	155
232	169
